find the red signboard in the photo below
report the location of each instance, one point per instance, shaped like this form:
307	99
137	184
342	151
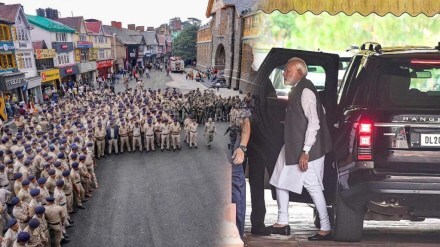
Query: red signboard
103	64
69	70
64	47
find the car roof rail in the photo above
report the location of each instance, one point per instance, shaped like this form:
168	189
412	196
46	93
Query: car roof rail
371	46
405	48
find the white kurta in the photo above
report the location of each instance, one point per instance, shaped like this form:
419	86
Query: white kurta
291	177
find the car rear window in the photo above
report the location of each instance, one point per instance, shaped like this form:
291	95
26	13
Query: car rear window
410	84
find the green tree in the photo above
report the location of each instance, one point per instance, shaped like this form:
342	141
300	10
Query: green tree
184	45
337	33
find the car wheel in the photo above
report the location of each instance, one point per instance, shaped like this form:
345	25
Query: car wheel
348	222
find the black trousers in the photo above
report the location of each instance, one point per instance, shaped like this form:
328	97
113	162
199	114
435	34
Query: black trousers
256	182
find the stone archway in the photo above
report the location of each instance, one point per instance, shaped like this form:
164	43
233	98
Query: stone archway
220	57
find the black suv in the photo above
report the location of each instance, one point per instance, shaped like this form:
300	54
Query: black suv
385	124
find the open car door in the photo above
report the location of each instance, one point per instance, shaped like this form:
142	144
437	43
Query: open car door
267	126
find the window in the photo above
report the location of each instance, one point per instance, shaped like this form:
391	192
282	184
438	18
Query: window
5	33
84	55
101	54
404	84
61	37
24	60
63	59
7	61
316	75
43	64
82	37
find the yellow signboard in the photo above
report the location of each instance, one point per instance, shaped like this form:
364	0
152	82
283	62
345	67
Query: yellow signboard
3	108
50	75
93	54
77	55
45	53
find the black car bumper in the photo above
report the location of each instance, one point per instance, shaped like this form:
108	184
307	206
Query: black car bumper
395	186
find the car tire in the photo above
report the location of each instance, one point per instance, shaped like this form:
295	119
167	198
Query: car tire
348	222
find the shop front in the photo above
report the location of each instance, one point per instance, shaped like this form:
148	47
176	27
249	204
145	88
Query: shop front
33	91
87	71
12	85
104	67
50	80
69	73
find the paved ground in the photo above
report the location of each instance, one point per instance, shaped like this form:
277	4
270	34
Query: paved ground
376	233
156	199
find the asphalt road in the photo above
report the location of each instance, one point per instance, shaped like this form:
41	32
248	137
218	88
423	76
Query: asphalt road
156	198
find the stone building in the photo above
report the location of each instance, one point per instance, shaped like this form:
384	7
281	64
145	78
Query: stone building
226	41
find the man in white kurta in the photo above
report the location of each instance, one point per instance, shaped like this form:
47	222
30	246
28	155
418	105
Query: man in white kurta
308	174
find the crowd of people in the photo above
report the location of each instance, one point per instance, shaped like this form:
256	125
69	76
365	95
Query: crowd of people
48	157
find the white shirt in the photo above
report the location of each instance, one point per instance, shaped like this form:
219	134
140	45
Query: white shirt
308	103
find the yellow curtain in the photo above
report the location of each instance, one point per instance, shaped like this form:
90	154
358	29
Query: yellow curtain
349	7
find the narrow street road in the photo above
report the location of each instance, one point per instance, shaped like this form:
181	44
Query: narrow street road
156	198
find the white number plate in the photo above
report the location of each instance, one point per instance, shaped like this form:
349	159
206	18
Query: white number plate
430	140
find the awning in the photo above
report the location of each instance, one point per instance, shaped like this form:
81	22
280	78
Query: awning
349	7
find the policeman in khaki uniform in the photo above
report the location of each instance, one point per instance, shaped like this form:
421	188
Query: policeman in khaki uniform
186	124
55	216
39	214
20	211
149	135
209	132
175	134
165	136
158	130
68	191
37	236
137	139
123	133
193	133
100	140
78	190
11	234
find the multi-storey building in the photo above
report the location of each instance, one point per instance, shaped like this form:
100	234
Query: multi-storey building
226	41
127	40
24	52
58	37
11	80
102	47
151	45
83	47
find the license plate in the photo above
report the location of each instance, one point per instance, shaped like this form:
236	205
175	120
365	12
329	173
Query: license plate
430	140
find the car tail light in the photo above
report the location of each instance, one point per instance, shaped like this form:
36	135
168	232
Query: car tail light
415	61
365	140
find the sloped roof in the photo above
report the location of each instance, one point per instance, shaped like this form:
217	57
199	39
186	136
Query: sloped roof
125	36
93	27
49	25
150	37
242	7
73	22
40	44
9	12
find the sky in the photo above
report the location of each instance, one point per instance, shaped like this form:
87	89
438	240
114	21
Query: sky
139	12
